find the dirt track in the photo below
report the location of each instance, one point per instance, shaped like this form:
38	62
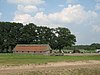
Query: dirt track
8	70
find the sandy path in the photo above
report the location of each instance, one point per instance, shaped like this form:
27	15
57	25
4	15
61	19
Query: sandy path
52	64
77	63
6	70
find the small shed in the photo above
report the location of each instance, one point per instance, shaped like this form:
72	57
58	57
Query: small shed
32	48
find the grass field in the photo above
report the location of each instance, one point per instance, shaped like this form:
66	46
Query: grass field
19	59
28	64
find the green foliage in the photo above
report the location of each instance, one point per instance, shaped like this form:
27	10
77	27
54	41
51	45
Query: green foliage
93	46
63	38
9	35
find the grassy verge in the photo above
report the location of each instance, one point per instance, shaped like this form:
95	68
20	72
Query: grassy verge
19	59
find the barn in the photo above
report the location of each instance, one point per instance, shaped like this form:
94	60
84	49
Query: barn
32	48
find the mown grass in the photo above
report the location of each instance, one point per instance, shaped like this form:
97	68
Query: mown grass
19	59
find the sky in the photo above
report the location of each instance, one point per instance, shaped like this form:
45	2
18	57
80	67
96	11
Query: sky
82	17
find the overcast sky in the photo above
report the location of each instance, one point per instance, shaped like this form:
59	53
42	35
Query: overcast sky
82	17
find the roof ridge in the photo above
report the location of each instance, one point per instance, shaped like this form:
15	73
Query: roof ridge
32	44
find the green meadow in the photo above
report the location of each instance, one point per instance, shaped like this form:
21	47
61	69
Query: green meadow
19	59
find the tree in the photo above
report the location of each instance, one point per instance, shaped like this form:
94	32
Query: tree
9	35
28	34
95	45
62	38
16	33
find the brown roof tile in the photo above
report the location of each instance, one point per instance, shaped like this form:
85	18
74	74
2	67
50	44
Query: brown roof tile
31	48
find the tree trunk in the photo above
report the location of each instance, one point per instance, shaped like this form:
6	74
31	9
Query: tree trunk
50	51
60	51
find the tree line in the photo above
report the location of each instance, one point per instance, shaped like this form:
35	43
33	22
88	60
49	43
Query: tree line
92	46
12	34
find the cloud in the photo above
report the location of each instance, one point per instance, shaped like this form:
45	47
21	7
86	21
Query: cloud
97	7
96	28
73	14
41	17
27	9
27	2
96	23
23	18
70	15
27	6
97	0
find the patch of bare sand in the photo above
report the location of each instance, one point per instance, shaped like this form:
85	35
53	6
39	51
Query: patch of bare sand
6	70
77	63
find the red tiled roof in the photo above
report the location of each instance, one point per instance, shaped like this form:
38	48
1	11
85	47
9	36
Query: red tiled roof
31	48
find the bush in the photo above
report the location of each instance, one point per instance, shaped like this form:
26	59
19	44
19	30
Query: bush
76	51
